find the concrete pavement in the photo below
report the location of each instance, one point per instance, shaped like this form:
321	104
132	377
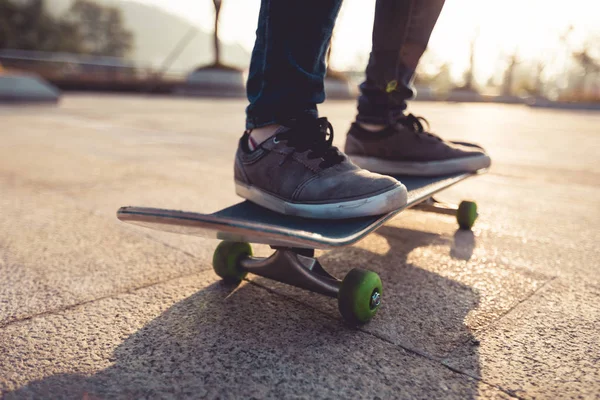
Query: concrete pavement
93	307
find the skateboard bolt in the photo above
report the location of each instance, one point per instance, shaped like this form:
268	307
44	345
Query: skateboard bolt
375	299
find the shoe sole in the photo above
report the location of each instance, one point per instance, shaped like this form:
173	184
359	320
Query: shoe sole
429	168
383	203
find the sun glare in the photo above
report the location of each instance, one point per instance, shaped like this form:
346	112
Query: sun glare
531	29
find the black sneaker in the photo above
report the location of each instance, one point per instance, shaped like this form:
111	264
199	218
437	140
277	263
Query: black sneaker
405	148
299	172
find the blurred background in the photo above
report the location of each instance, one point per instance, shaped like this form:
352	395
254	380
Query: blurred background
531	51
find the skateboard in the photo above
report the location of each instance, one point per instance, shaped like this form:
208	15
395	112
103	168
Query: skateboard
295	239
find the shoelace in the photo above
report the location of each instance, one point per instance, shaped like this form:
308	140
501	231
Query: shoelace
415	124
314	135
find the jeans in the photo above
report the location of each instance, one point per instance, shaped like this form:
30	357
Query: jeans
287	68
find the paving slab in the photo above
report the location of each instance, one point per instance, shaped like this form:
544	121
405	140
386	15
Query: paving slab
59	151
548	347
54	255
195	337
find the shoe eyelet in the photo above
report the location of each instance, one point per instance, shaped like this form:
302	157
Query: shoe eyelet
275	141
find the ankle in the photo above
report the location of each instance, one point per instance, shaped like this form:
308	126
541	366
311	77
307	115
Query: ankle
260	135
371	127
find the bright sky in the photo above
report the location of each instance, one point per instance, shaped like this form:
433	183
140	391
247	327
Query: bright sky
530	27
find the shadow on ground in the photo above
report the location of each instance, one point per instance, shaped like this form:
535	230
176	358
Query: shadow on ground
422	310
248	342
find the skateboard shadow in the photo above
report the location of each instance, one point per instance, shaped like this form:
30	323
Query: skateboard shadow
463	244
247	342
424	308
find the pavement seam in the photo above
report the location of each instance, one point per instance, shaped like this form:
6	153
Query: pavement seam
108	296
504	314
444	361
114	294
405	348
441	362
517	304
479	379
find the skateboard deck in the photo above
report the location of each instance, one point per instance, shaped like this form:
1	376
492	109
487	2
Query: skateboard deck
247	222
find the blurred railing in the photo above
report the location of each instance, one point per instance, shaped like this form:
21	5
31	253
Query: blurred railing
84	72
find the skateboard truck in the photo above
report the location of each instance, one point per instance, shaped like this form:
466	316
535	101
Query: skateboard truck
465	212
290	266
435	206
358	294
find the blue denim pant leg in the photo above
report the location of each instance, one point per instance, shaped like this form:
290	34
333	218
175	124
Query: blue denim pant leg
401	31
287	68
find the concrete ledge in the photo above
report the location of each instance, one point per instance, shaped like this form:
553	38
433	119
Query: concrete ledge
461	95
540	102
337	89
214	82
21	88
425	93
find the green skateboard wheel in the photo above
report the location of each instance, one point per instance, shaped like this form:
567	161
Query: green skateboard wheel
226	260
466	214
359	297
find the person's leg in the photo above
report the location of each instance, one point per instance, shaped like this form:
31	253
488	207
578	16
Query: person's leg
401	32
288	61
285	160
383	139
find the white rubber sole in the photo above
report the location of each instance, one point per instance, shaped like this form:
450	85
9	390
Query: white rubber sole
430	168
383	203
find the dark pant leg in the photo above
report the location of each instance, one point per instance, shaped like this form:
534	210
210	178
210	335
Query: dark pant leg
401	32
288	61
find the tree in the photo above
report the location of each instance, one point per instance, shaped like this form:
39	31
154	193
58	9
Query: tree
469	74
509	74
88	28
101	29
443	79
582	65
538	82
27	25
217	45
590	66
330	72
427	69
584	58
217	64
